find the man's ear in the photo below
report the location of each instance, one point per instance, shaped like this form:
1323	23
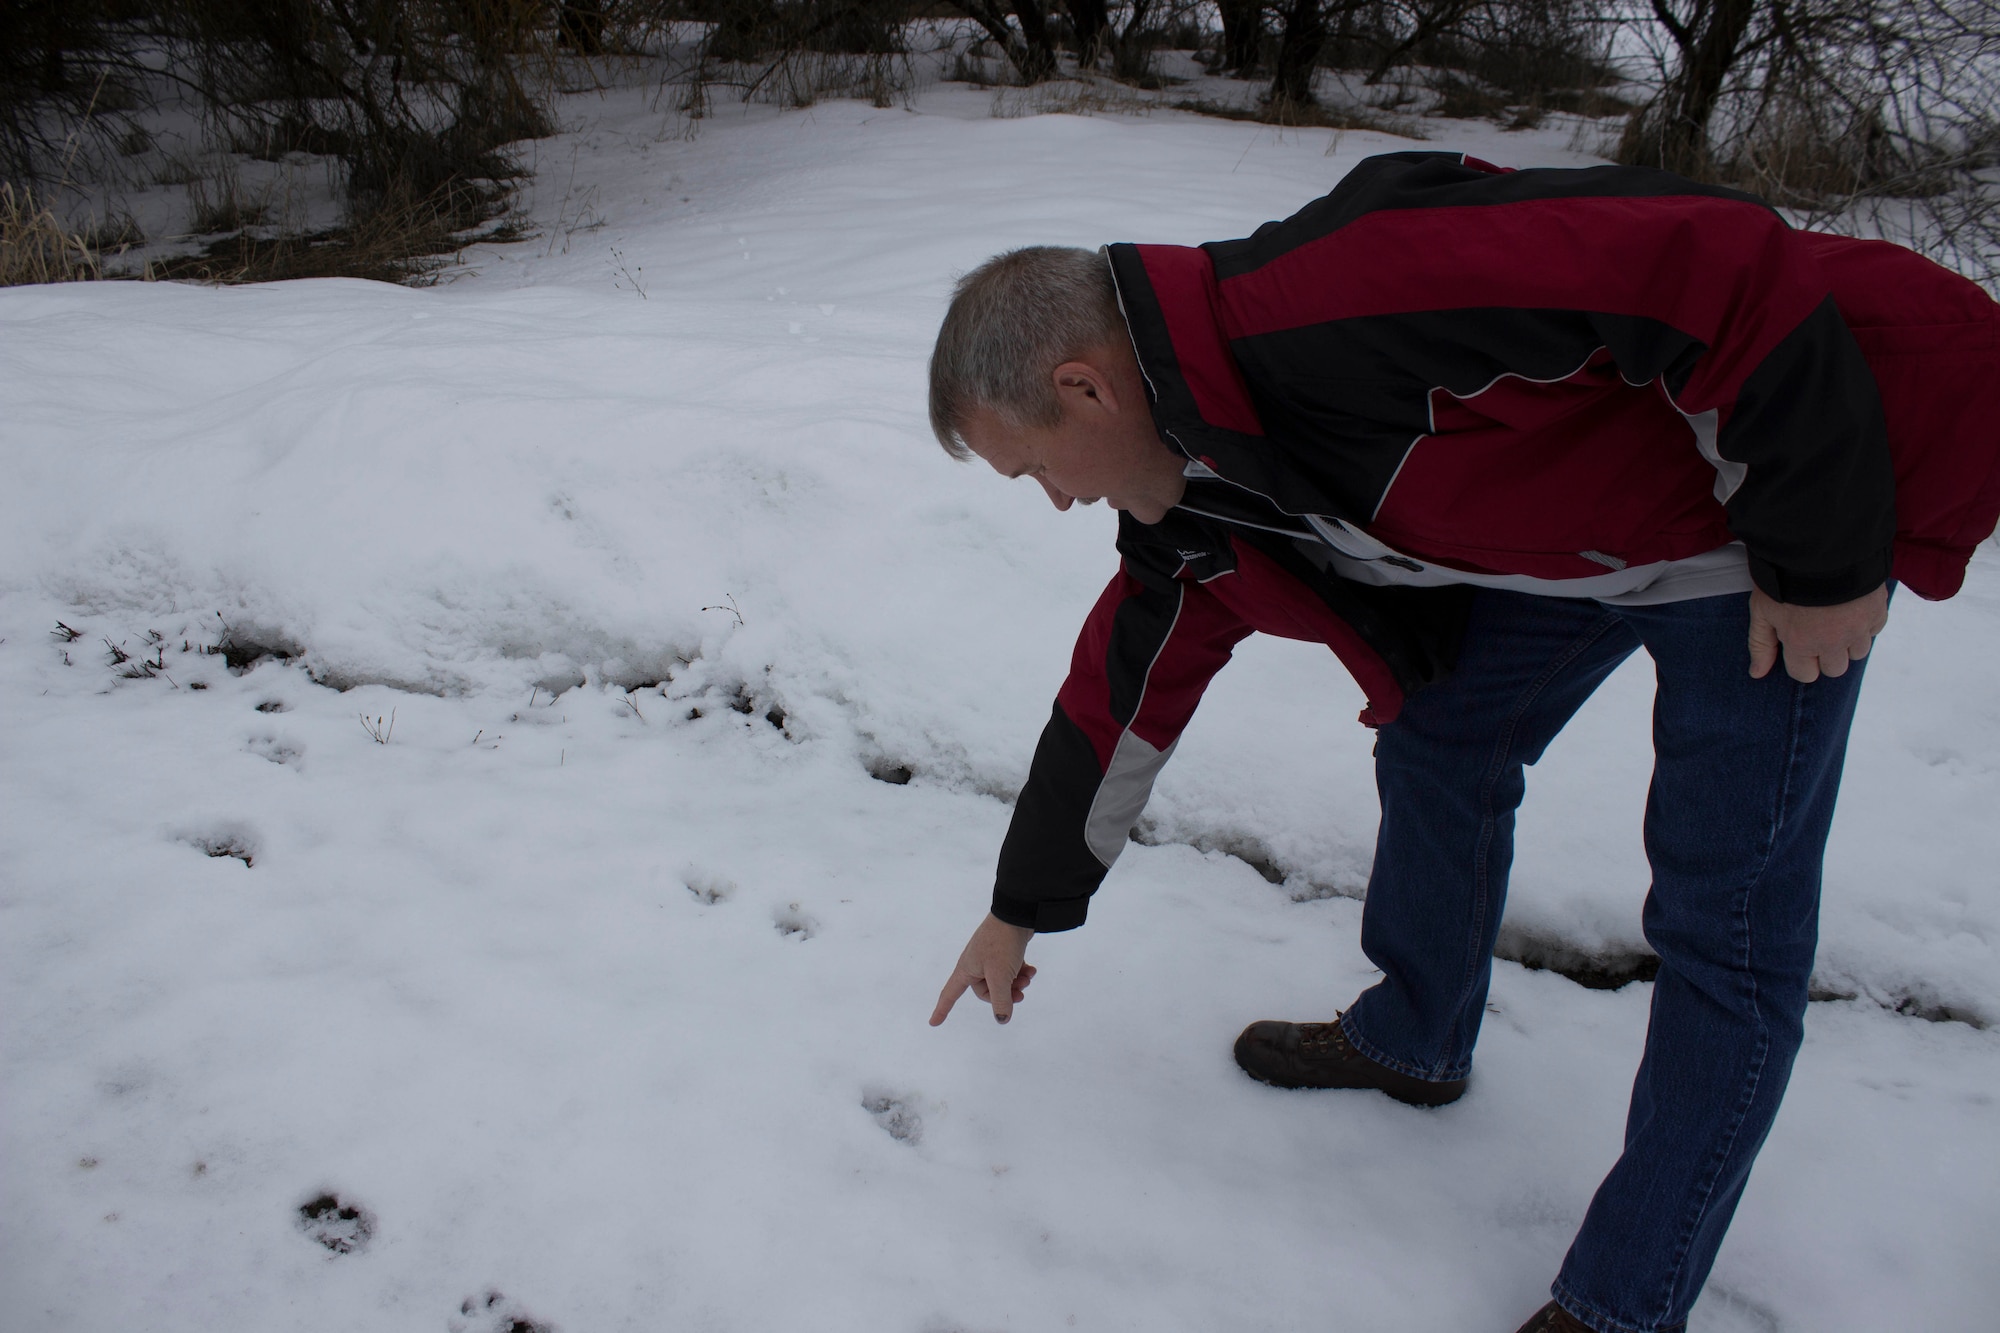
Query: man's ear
1082	385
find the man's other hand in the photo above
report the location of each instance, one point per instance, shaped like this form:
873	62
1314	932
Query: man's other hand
1817	640
991	968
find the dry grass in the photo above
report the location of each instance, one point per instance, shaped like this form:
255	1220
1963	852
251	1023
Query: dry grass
405	241
1308	115
34	247
1071	97
217	202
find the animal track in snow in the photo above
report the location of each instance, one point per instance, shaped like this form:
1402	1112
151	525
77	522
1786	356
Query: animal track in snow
793	923
492	1312
344	1227
276	750
220	840
708	889
896	1113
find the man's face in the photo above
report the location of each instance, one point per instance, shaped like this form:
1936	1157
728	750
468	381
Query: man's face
1104	448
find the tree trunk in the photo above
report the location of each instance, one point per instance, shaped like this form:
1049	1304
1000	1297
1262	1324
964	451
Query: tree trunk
581	25
1673	131
1032	65
1093	27
54	78
1340	49
1298	54
1242	35
1040	61
1431	20
1133	58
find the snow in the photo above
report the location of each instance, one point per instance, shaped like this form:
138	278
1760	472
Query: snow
596	989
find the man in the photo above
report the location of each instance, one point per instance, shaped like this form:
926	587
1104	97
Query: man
1484	434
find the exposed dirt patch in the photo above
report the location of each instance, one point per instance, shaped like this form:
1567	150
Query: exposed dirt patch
1607	970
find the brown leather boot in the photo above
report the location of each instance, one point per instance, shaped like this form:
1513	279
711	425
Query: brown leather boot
1318	1055
1552	1318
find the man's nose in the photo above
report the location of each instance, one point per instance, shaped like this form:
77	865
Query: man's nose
1056	497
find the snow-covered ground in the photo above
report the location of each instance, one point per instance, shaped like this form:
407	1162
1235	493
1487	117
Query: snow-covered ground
596	991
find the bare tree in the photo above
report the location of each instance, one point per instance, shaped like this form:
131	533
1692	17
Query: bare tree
1301	38
1709	37
1406	26
1033	53
1242	35
1872	115
1094	35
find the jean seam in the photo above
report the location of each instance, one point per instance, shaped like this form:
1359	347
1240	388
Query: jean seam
1489	823
1482	880
1387	1061
1596	1320
1691	1222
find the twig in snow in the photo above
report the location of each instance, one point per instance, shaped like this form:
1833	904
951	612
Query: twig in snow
629	275
732	608
134	669
65	633
379	733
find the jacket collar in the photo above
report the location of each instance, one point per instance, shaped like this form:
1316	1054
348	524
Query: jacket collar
1202	405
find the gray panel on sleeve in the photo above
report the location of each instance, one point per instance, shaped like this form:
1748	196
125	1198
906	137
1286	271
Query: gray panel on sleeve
1122	796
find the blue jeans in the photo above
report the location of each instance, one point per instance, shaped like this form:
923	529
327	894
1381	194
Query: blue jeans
1745	773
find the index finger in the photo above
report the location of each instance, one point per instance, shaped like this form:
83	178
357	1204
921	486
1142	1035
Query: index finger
949	996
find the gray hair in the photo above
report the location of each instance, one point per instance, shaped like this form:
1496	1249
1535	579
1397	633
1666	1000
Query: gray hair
1012	321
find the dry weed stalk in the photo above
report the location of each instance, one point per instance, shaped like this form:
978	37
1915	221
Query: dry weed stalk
378	732
35	247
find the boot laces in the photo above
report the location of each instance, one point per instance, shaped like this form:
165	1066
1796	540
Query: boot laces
1322	1039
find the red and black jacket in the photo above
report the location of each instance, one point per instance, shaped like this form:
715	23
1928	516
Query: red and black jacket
1536	373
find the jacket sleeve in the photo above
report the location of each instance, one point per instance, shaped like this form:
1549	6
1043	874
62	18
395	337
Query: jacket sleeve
1146	653
1783	406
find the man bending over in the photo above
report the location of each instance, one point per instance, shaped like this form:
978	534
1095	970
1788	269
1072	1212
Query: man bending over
1485	434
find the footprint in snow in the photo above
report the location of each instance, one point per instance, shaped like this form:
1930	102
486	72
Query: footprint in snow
276	750
891	772
341	1225
492	1312
896	1113
224	840
708	889
793	923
